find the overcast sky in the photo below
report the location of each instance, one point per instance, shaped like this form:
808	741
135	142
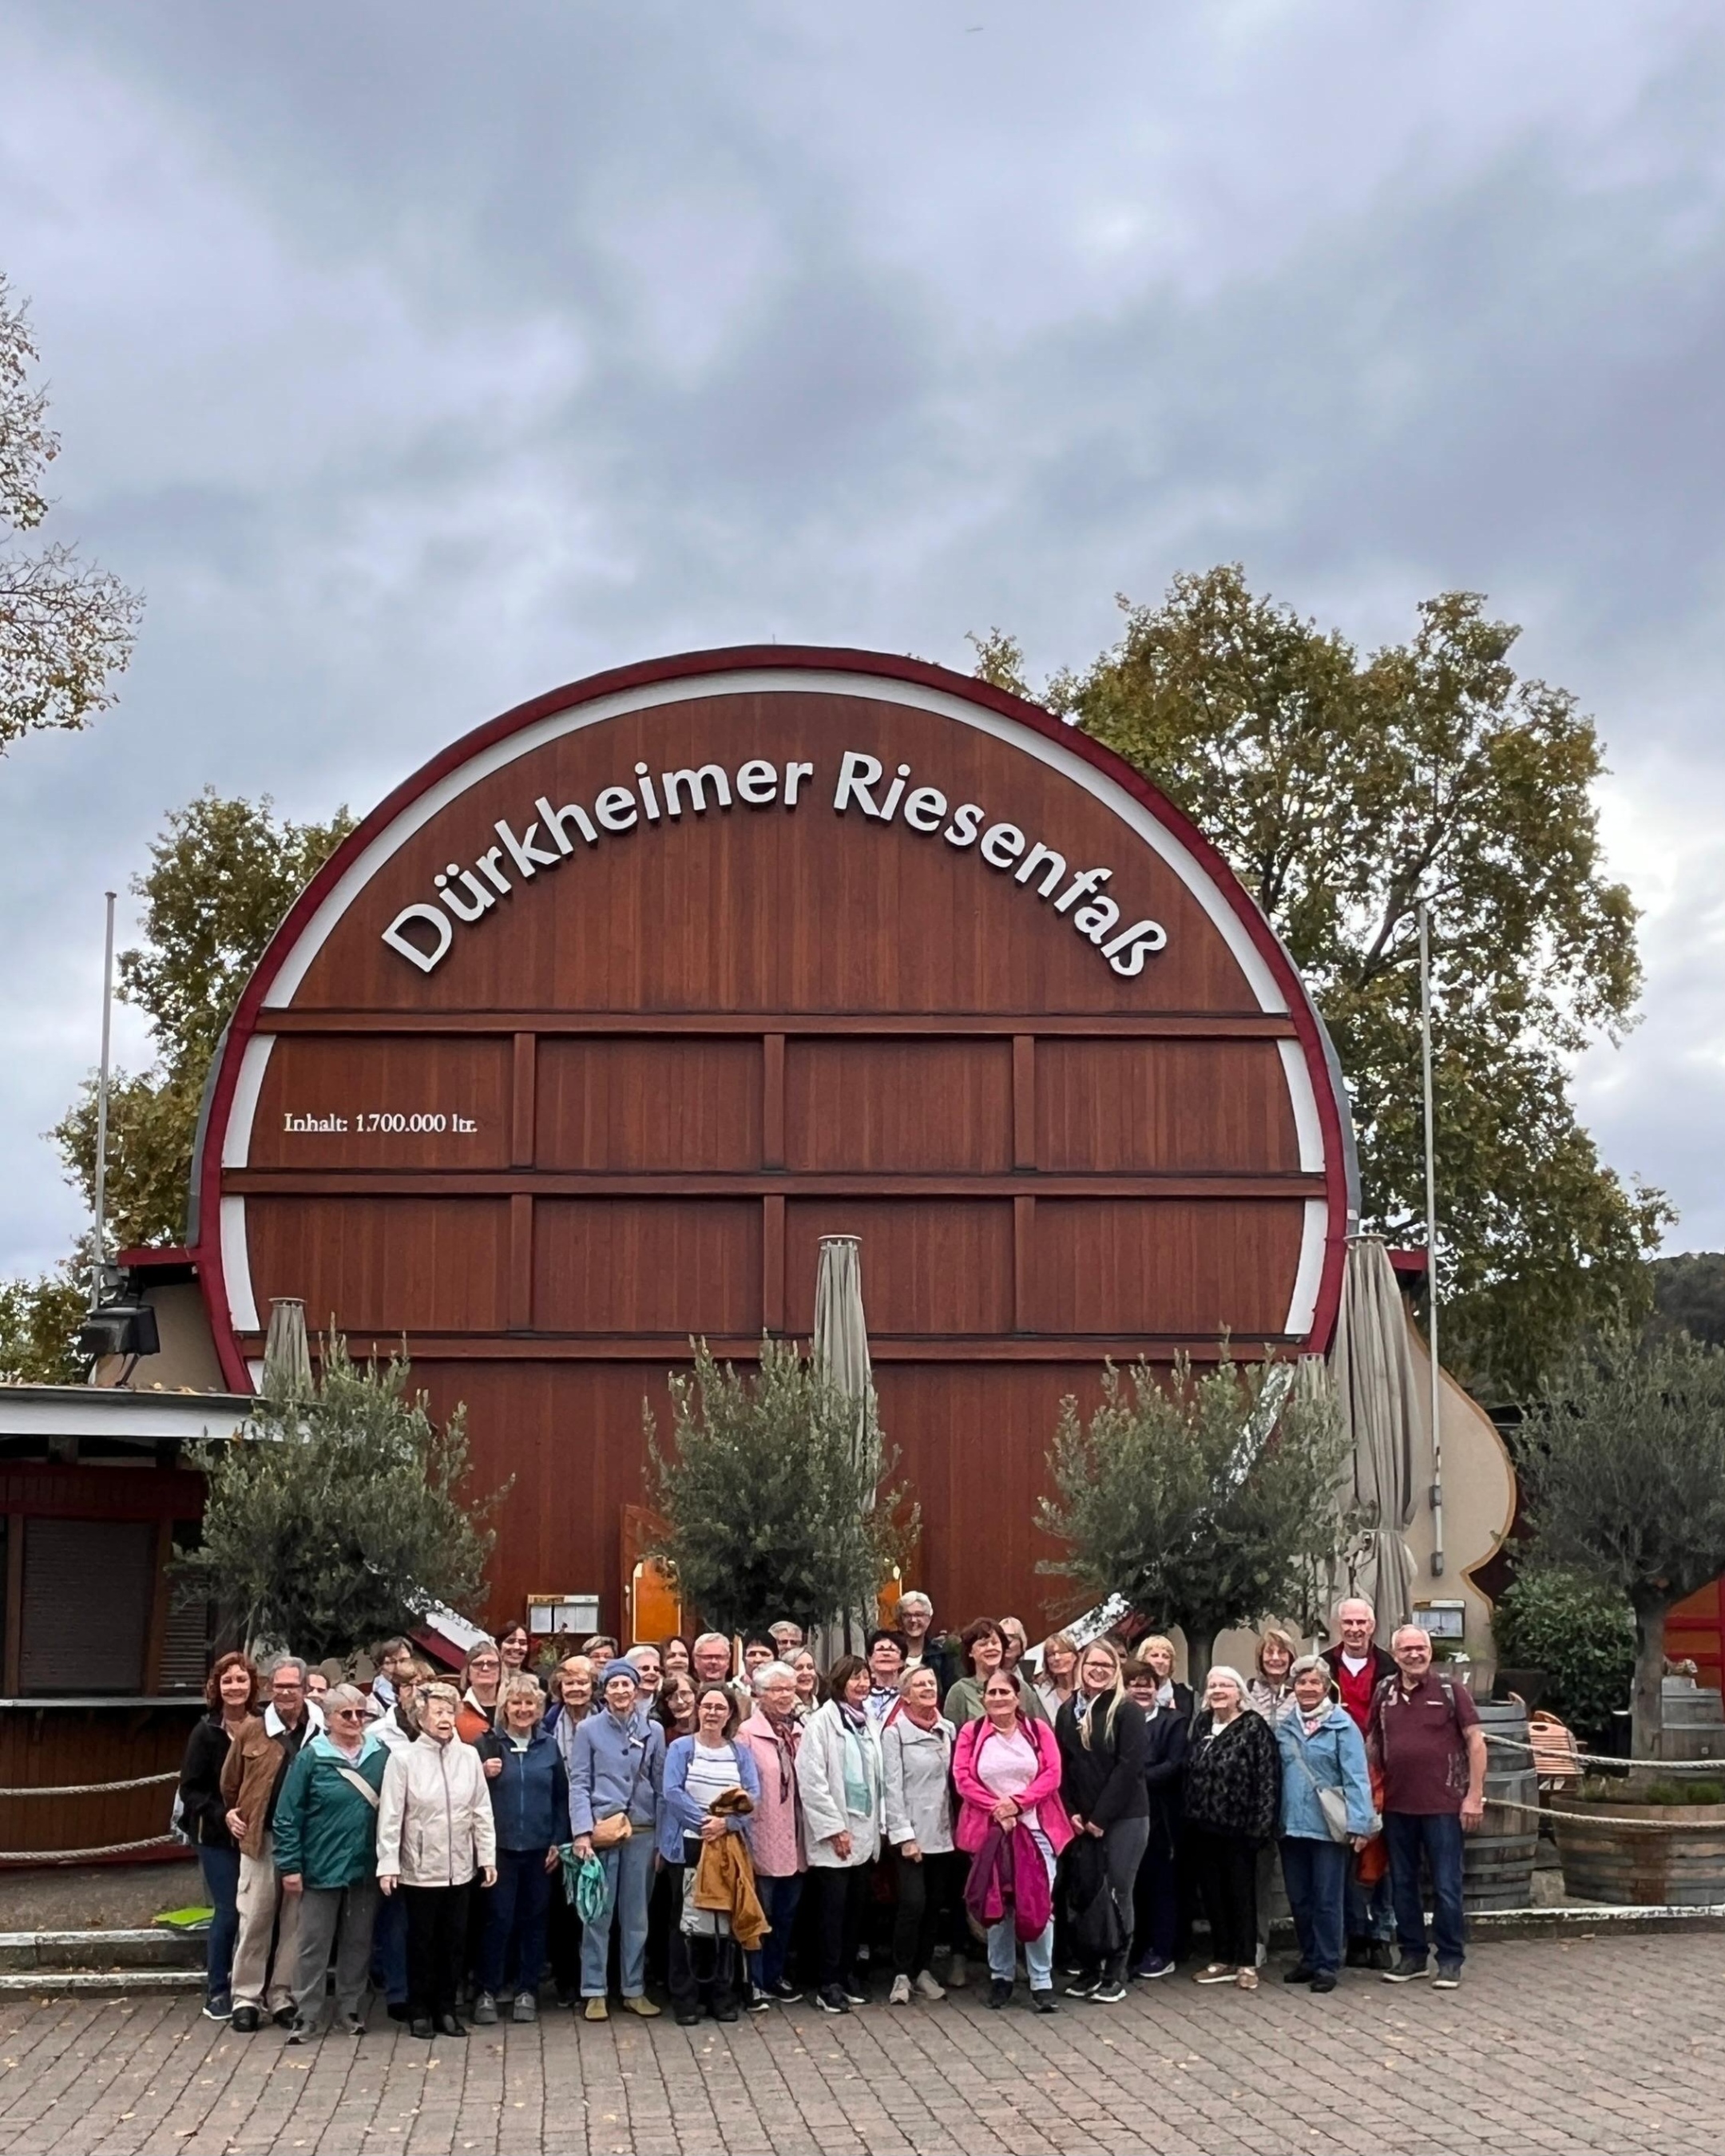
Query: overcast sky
415	357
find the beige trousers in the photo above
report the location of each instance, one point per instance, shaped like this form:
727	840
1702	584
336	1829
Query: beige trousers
266	1913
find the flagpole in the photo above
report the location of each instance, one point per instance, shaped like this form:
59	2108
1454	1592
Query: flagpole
99	1275
1431	1246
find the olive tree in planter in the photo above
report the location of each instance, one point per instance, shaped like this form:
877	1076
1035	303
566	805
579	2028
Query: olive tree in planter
1207	1501
1623	1462
770	1506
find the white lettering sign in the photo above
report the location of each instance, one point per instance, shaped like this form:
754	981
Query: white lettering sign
425	933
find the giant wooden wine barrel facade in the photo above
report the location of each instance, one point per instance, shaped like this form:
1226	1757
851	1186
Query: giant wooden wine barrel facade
589	1033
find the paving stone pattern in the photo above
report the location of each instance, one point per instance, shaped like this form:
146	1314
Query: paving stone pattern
1608	2045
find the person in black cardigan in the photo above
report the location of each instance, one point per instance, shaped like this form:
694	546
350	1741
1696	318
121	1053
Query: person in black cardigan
1156	1653
231	1693
1233	1802
1155	1897
1100	1734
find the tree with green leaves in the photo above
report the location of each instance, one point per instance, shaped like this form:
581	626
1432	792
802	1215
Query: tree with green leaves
774	1503
337	1518
1581	1631
1209	1502
1689	1295
1343	789
222	876
1622	1460
66	627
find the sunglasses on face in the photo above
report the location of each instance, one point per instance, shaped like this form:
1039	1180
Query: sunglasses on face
347	1713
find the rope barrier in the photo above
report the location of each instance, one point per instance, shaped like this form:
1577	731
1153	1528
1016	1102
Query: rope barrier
1604	1759
1583	1818
78	1855
94	1789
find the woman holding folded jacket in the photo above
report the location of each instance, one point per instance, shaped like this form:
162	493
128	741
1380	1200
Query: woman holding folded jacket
698	1770
1006	1768
1101	1736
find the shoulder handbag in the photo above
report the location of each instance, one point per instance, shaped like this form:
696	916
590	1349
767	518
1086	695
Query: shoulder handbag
619	1826
1331	1802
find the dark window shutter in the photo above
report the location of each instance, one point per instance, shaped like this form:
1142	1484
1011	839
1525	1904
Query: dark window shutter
87	1592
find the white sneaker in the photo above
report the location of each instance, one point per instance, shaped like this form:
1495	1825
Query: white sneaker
899	1994
926	1987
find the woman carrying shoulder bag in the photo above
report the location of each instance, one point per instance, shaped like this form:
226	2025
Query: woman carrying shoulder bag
1327	1817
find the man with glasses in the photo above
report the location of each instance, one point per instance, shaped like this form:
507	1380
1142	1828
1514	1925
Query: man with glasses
252	1775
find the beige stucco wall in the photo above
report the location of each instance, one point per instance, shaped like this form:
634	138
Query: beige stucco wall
187	1361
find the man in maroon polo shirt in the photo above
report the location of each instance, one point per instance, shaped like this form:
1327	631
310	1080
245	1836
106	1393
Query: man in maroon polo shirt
1423	1733
1359	1665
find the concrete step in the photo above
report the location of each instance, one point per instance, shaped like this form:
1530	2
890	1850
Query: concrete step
151	1949
60	1983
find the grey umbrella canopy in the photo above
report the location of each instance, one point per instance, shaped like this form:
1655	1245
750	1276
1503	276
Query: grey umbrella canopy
841	1353
841	1337
287	1351
1377	1396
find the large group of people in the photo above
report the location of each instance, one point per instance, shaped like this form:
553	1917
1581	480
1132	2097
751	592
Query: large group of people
727	1822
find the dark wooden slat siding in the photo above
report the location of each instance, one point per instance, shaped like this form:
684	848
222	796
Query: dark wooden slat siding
694	1049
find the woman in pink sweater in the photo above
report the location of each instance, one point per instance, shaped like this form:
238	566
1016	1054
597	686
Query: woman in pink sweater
772	1733
1006	1768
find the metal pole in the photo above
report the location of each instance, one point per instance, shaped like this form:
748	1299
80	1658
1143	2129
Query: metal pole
1431	1247
100	1271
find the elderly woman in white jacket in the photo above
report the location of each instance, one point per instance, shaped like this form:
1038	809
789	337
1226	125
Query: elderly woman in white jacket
839	1779
435	1830
916	1772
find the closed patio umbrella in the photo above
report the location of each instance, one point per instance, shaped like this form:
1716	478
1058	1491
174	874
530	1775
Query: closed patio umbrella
287	1351
1377	1395
841	1352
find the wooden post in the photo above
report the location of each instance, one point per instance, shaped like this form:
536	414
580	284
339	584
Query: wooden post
155	1638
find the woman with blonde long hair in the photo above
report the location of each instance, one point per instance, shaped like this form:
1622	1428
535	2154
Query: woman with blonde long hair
1057	1679
1101	1736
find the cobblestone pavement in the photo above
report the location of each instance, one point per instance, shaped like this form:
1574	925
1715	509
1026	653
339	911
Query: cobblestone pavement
1612	2045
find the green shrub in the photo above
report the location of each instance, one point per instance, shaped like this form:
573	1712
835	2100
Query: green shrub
1581	1634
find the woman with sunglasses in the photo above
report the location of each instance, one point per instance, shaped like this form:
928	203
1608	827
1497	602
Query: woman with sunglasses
326	1852
481	1677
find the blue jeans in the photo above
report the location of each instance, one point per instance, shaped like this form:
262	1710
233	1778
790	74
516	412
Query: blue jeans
778	1901
1368	1912
1317	1874
629	1882
515	1908
1438	1837
221	1881
1038	1952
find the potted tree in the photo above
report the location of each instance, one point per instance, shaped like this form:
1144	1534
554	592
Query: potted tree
1208	1502
1623	1462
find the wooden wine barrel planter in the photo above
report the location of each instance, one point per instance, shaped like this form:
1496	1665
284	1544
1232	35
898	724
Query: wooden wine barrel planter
1691	1722
1676	1858
579	1044
1497	1861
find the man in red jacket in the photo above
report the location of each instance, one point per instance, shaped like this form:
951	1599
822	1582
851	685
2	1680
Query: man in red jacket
1359	1664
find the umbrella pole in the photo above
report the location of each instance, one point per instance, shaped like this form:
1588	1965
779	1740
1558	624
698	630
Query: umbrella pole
1431	1249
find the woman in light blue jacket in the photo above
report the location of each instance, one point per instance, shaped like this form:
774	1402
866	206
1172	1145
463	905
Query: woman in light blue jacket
704	1964
1323	1756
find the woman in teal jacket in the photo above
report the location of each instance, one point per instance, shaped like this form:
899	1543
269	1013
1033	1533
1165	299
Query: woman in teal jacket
326	1852
1322	1751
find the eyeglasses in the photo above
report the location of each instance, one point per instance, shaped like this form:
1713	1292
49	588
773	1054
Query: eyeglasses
485	1662
346	1714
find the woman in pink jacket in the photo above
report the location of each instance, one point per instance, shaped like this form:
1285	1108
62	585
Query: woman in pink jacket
1006	1768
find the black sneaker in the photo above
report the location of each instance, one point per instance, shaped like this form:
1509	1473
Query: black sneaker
1084	1987
784	1991
246	2019
1448	1977
1407	1970
1380	1956
758	2002
218	2010
999	1992
831	1999
420	2026
1325	1980
1299	1973
854	1993
284	2017
1044	2002
1109	1993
